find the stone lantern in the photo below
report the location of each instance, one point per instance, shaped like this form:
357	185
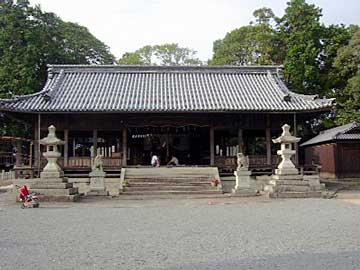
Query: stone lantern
52	185
52	154
286	166
287	182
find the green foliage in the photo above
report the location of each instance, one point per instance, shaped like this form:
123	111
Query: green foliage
169	54
30	39
347	65
349	108
347	61
301	31
250	45
334	38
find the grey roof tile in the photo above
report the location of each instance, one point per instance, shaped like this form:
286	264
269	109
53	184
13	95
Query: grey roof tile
163	89
349	131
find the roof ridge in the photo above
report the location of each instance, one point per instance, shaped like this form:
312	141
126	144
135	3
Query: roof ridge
152	68
347	127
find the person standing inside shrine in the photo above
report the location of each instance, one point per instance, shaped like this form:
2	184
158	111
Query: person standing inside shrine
155	161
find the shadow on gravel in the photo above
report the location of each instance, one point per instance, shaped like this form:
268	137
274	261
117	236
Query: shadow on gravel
310	261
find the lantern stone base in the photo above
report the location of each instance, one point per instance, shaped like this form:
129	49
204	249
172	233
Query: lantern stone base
292	186
49	175
245	186
55	189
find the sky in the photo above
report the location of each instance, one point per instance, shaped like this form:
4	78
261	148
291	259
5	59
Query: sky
127	25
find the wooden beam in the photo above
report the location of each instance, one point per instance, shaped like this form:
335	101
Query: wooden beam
212	146
124	146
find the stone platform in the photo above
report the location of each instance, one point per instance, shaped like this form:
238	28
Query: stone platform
293	186
53	186
55	189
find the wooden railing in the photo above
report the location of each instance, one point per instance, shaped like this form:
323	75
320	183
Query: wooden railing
85	162
255	162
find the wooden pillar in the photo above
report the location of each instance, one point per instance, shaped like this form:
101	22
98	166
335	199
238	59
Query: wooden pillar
268	140
268	146
74	145
212	146
18	157
31	155
95	140
66	147
124	146
296	144
241	140
38	143
36	146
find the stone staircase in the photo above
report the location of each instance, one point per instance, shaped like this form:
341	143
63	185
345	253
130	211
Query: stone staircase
171	180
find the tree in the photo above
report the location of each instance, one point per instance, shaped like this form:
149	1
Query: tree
30	39
169	54
301	31
334	37
255	44
142	56
347	63
349	108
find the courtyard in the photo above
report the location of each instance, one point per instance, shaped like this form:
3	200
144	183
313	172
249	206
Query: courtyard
182	233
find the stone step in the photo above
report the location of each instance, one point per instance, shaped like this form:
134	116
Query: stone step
172	170
141	184
286	188
164	192
55	192
51	185
285	195
293	182
167	178
67	198
190	188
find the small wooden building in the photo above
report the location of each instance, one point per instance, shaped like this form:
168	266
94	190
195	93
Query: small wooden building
203	115
337	150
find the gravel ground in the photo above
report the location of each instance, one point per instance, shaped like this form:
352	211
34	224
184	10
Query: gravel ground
182	234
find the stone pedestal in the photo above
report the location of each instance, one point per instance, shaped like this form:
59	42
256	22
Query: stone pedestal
97	183
245	185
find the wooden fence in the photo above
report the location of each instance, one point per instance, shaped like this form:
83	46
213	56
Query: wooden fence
7	175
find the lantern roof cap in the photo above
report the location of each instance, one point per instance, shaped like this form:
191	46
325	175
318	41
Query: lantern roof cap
286	136
51	138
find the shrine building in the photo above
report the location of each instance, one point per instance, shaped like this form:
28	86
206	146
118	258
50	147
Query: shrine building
202	115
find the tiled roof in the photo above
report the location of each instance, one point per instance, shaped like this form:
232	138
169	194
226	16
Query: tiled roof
164	89
346	132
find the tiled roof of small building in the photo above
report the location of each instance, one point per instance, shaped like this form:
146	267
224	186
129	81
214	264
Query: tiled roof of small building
349	131
74	88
